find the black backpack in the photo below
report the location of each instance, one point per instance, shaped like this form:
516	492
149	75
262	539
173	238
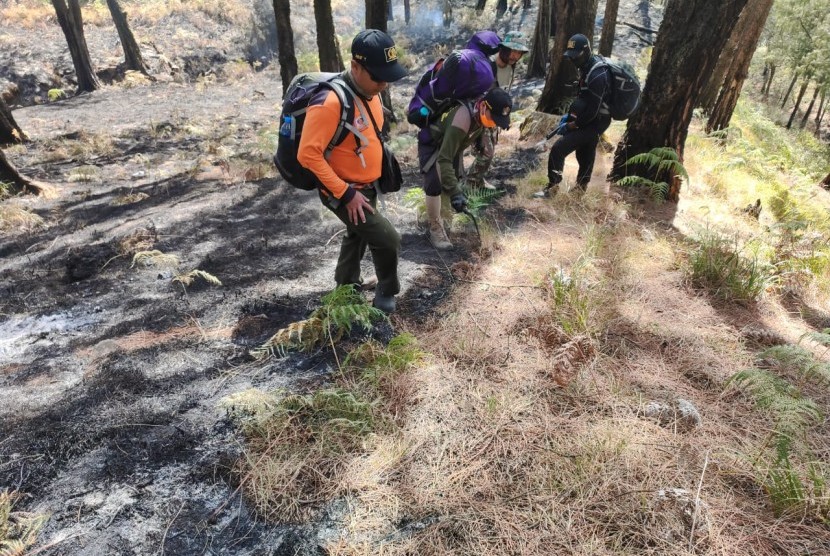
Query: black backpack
295	104
625	88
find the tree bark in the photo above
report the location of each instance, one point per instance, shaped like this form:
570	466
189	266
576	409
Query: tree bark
809	109
327	47
19	183
446	13
10	132
480	4
691	36
609	27
132	53
729	84
821	108
825	183
376	14
572	16
285	43
768	83
801	92
407	13
501	8
72	25
389	15
541	39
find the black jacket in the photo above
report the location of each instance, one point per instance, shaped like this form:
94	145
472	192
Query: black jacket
591	103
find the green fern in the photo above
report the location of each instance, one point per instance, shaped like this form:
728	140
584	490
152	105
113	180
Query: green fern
479	199
792	412
822	337
663	162
376	362
789	358
342	309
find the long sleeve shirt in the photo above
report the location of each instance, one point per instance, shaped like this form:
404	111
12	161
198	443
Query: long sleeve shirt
343	166
453	133
593	97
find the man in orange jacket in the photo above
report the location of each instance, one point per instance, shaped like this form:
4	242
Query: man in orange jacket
350	172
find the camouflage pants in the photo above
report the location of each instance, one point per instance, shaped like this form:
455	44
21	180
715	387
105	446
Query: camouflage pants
483	149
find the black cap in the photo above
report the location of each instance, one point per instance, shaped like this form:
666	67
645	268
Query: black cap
376	51
500	105
577	45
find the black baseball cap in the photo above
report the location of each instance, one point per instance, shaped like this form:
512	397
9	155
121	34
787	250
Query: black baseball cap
500	104
576	45
375	50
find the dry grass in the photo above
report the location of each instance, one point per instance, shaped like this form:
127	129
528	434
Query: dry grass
14	216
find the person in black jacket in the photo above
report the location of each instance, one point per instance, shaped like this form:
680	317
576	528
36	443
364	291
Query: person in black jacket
587	118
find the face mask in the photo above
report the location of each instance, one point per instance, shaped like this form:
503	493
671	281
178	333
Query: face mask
484	116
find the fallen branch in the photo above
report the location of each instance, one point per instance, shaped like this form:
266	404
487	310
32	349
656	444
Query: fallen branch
638	27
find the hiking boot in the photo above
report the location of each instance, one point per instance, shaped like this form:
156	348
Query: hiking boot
579	189
385	303
549	191
438	237
487	185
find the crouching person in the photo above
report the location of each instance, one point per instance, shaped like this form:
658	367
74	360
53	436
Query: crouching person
440	148
348	173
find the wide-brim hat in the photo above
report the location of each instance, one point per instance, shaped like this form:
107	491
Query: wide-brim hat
375	50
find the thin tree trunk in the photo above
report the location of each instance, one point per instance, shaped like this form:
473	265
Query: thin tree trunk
10	132
768	84
690	38
790	90
609	27
132	53
407	14
389	15
285	43
809	109
72	25
572	17
541	39
376	14
801	92
745	36
447	13
821	108
501	8
480	5
19	183
327	47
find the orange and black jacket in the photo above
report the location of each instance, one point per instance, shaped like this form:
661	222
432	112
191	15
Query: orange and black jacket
347	168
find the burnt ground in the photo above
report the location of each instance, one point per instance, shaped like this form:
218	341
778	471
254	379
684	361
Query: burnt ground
113	373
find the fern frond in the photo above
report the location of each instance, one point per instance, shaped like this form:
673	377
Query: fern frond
799	360
188	279
665	153
644	159
674	167
822	337
634	181
155	258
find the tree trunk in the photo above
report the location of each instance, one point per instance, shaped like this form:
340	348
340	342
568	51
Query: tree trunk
285	43
768	83
10	132
72	25
447	13
407	13
689	40
609	27
821	108
327	47
746	35
790	90
541	39
801	92
376	14
526	5
389	15
501	8
19	184
132	53
825	183
572	16
809	109
480	5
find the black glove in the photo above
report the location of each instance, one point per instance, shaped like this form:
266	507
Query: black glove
458	202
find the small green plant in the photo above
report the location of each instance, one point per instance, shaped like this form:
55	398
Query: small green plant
719	265
571	300
796	359
55	94
343	308
664	163
18	530
479	199
376	363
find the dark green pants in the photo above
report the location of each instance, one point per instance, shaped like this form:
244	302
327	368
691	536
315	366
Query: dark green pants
378	234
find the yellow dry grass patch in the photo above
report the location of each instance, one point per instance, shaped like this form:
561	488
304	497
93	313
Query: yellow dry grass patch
16	217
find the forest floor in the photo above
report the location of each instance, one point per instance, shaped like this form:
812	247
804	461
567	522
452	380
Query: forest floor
113	372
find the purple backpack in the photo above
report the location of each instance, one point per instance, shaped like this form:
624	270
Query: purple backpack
463	75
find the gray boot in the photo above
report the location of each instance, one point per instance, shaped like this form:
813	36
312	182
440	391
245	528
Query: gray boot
549	191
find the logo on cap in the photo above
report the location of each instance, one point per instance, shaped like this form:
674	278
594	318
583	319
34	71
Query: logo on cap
391	54
571	44
505	111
